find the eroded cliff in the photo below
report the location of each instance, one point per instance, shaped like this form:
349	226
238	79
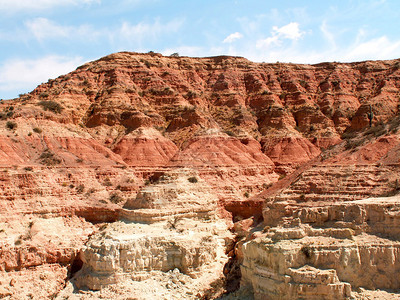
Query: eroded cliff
139	174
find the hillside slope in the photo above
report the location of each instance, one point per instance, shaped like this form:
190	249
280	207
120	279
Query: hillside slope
178	148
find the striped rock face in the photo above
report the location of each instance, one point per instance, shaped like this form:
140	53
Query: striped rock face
139	174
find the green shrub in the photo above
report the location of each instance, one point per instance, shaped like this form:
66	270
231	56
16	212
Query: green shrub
37	130
52	106
303	83
43	95
80	188
107	182
115	198
265	92
49	158
192	179
11	125
229	132
378	130
191	95
91	191
349	135
148	64
352	144
267	185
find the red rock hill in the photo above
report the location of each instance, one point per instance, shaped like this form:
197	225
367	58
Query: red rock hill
85	143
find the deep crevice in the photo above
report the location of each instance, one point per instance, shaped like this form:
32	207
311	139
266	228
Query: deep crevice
97	215
75	266
232	272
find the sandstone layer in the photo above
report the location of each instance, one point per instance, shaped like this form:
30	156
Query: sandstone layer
320	251
139	174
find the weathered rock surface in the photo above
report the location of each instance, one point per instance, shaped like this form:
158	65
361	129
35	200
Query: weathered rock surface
171	226
320	251
41	282
286	145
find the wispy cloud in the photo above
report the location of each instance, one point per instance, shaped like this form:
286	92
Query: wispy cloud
371	49
377	48
145	30
233	37
24	75
42	28
21	5
327	34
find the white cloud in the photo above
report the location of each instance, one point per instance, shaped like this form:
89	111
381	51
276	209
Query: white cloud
20	5
290	31
125	35
265	43
327	34
25	75
42	28
377	48
232	37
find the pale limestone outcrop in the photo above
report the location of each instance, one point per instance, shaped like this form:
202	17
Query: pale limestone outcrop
31	241
324	252
378	216
180	192
181	232
131	251
41	282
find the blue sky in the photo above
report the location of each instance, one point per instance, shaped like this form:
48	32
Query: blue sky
42	39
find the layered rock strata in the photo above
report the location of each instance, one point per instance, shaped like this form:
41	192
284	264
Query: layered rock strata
320	251
171	226
109	142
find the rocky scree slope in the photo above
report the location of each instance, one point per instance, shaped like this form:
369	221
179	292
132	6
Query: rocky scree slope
78	148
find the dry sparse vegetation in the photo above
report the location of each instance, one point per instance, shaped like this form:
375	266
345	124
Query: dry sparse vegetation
11	125
50	105
49	158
